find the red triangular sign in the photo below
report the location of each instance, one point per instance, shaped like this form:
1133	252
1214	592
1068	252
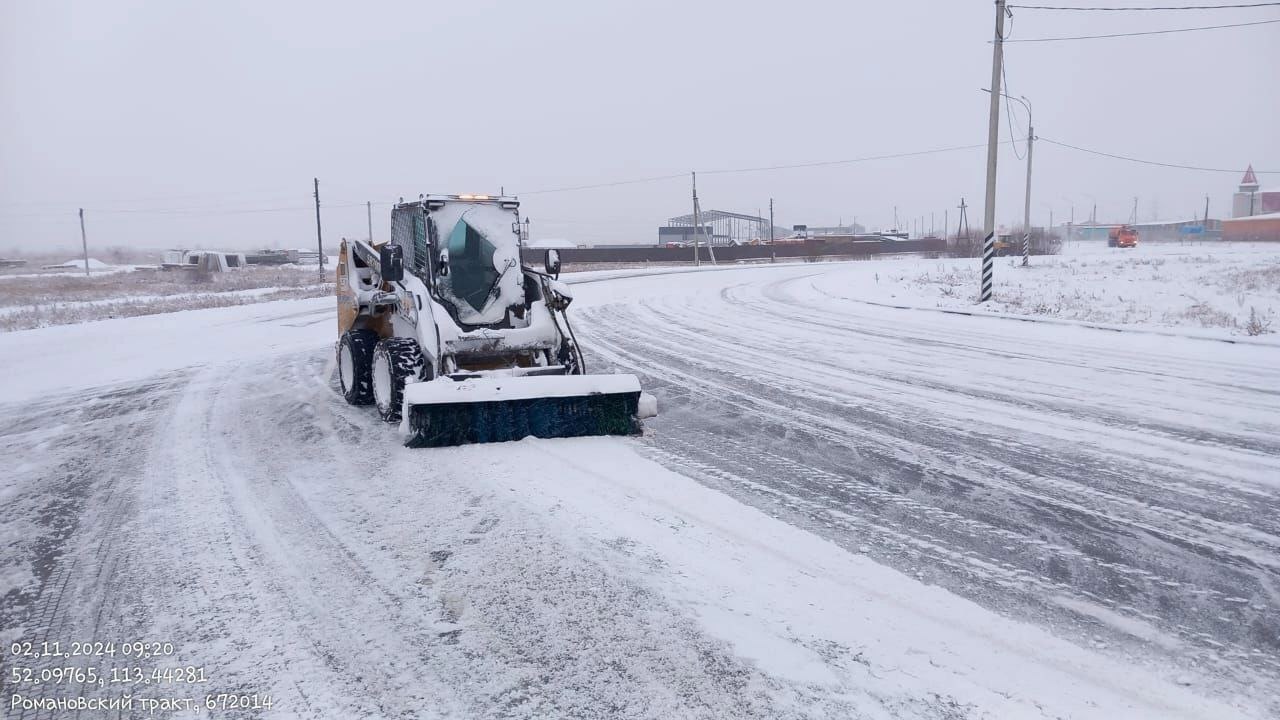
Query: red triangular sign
1249	177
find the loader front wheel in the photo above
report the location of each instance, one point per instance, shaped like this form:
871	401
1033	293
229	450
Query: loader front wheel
355	358
395	360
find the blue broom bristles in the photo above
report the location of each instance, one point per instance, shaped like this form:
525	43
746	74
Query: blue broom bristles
441	425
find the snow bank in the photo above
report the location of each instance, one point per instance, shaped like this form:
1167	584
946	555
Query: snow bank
1210	289
94	264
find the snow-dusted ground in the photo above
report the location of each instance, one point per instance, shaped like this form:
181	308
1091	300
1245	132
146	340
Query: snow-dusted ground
28	302
845	510
250	294
1210	289
70	269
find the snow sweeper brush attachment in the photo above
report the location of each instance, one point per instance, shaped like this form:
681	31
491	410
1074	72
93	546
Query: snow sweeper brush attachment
497	409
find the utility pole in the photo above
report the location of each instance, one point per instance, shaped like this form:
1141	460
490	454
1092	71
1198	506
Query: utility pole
319	240
697	231
770	221
1134	221
993	147
697	227
84	241
368	206
1026	211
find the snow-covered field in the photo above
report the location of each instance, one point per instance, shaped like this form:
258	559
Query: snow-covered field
844	510
46	299
1213	289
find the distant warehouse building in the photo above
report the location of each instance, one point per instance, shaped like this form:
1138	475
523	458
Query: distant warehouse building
685	235
1179	229
1265	228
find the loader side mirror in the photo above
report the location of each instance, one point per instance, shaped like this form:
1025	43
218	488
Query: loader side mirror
444	263
391	263
552	262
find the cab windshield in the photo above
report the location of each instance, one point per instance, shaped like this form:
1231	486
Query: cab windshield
483	248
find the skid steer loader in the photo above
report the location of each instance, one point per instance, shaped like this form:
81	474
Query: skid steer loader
445	330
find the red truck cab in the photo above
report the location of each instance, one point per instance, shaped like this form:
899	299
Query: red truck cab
1122	237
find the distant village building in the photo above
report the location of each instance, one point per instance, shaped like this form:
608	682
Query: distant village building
720	227
1255	228
550	244
1192	229
682	235
1250	199
853	229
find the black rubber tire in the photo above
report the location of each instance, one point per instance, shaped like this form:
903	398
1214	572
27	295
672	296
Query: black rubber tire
403	359
357	389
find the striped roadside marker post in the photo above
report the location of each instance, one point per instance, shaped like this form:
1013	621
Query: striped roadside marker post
1026	248
988	266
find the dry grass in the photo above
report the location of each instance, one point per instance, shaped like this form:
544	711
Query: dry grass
1204	315
1260	279
40	301
36	316
48	289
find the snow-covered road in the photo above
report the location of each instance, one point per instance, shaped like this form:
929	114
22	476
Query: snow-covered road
844	510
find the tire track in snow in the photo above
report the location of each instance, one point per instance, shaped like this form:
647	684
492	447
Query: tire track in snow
302	591
1018	480
830	377
717	361
93	447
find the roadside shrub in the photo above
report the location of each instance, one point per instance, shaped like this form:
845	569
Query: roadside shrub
1207	316
1258	323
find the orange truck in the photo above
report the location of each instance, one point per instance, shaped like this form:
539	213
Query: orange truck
1122	237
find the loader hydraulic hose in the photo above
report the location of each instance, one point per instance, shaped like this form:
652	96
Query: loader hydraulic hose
577	351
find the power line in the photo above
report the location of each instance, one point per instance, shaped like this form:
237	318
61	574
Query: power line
1151	162
197	211
1008	105
763	168
215	210
606	184
211	211
1140	9
275	192
823	163
1148	32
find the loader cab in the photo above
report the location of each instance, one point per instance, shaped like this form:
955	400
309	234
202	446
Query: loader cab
466	249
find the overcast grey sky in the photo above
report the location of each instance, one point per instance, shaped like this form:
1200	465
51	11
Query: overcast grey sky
184	124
